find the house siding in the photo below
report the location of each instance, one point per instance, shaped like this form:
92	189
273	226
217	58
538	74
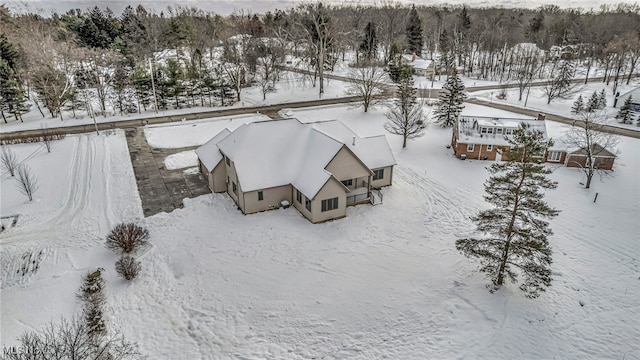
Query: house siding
345	165
563	157
300	205
272	197
331	189
386	179
233	178
604	163
218	178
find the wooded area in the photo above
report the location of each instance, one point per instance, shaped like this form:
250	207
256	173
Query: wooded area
98	62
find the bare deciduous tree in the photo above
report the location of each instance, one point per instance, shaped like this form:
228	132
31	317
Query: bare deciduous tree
27	182
127	237
407	122
70	340
47	137
560	85
9	160
589	137
367	84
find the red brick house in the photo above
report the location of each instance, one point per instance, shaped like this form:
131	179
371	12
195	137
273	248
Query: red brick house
602	158
485	138
480	138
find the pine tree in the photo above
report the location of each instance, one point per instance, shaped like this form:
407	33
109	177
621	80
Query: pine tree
369	45
93	298
594	102
625	113
602	100
450	102
578	106
141	82
414	31
512	236
406	117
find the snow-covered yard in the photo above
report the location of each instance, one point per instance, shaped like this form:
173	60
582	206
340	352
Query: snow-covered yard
384	282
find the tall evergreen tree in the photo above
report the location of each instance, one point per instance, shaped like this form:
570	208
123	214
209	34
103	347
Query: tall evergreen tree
625	114
578	105
465	20
414	31
450	102
594	102
602	100
512	236
369	45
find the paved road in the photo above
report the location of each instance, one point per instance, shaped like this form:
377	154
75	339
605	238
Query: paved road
128	124
273	109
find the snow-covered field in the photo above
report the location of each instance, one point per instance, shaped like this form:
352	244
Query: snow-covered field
384	282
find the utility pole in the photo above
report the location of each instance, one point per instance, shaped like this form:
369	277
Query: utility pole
153	86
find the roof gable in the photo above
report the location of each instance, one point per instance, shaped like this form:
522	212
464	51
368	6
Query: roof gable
208	152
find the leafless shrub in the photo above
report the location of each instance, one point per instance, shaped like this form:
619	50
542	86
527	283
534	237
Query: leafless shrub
128	267
127	237
27	182
70	340
9	160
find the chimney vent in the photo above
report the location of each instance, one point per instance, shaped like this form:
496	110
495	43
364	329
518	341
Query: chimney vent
354	141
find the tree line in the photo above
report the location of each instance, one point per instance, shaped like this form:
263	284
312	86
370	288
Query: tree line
92	60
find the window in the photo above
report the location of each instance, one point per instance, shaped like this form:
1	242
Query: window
235	188
330	204
348	182
489	147
470	147
483	130
553	156
226	159
260	196
307	203
499	131
298	196
490	131
508	131
378	174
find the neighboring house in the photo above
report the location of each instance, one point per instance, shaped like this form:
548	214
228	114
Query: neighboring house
603	159
635	99
319	168
419	66
485	138
477	137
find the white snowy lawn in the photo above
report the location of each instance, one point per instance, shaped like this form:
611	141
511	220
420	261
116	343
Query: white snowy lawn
384	282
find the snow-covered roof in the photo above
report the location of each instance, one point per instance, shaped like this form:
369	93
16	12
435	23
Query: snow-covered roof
373	151
470	129
275	153
421	64
208	152
635	97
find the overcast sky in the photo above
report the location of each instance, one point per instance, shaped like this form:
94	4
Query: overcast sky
226	7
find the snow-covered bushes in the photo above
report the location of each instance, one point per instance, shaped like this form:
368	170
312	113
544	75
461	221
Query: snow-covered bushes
128	267
127	237
92	295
